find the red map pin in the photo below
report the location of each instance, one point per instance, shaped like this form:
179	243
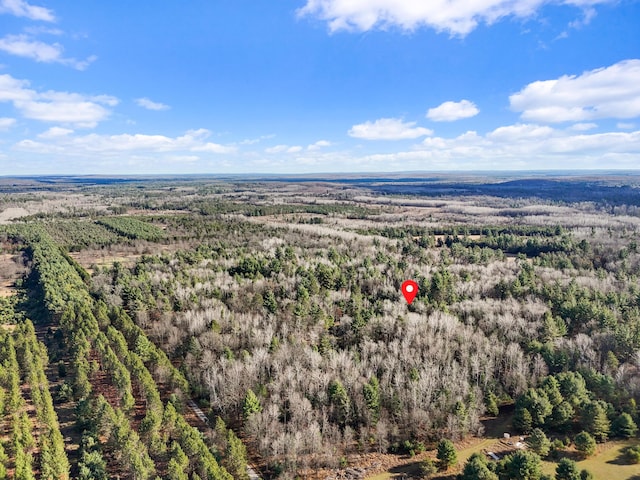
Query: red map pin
409	290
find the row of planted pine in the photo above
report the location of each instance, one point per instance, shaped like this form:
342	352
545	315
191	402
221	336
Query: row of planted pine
127	429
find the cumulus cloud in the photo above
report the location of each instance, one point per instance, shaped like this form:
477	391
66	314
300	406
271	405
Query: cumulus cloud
253	141
55	132
458	17
583	127
150	105
451	111
28	47
388	129
609	92
52	106
318	145
60	140
6	123
20	8
519	132
283	149
520	146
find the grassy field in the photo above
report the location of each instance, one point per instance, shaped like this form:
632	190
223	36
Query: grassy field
607	464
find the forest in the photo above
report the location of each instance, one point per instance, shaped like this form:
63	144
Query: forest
273	307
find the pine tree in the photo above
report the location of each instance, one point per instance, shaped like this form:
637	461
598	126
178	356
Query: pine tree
595	421
447	456
567	469
562	416
476	469
539	443
340	401
522	420
250	405
536	401
235	460
491	404
585	444
269	302
371	392
624	426
521	465
175	471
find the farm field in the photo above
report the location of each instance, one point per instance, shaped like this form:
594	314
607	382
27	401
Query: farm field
275	306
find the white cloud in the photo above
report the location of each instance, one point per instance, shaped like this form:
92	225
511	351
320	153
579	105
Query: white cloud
610	92
252	141
13	89
150	105
588	15
52	106
56	132
625	125
20	8
583	127
318	145
458	17
283	149
26	46
388	129
43	30
519	132
6	123
511	147
60	140
451	111
214	148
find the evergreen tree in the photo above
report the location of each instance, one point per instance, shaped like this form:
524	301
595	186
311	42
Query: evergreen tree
567	469
585	444
562	416
491	404
521	465
537	402
539	443
594	420
427	468
340	400
476	469
371	392
551	387
624	426
522	420
270	303
633	454
586	475
175	471
92	466
250	405
447	456
573	387
235	460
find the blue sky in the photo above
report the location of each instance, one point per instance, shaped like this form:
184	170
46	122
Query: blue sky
301	86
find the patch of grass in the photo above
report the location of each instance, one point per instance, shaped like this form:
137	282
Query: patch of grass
608	462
